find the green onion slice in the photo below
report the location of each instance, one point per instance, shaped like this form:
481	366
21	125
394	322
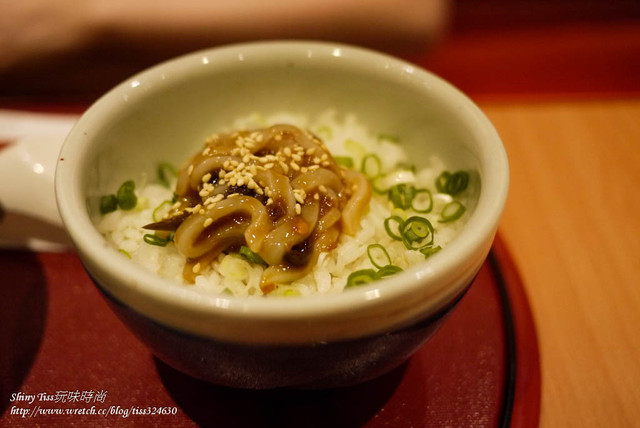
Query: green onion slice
360	277
417	233
452	184
377	184
155	215
401	195
108	203
394	233
442	180
387	270
371	166
378	256
429	251
125	252
126	195
344	161
251	257
165	170
290	292
452	211
388	137
407	166
422	201
156	240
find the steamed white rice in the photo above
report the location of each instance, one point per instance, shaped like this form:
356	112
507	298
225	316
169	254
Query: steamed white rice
232	274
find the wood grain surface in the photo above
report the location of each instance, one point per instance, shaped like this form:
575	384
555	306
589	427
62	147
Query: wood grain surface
571	224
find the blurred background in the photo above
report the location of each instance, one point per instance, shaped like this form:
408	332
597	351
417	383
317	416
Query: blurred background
485	47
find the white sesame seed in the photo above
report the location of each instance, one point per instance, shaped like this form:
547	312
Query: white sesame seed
190	169
287	151
208	222
206	177
294	166
196	268
298	209
322	188
310	151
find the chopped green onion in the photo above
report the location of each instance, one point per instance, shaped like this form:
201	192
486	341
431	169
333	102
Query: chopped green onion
417	232
156	240
344	161
371	166
251	257
388	137
125	252
108	203
355	148
407	166
378	255
452	184
126	195
401	195
376	184
326	132
422	201
165	169
452	211
155	213
387	270
397	234
442	180
429	251
360	277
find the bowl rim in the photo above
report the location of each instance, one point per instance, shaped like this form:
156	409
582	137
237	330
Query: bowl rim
384	297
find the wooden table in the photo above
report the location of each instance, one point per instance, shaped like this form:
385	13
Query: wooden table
571	223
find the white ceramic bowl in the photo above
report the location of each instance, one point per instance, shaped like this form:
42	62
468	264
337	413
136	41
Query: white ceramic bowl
167	111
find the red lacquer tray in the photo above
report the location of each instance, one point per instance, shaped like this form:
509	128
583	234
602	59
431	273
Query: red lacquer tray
60	343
